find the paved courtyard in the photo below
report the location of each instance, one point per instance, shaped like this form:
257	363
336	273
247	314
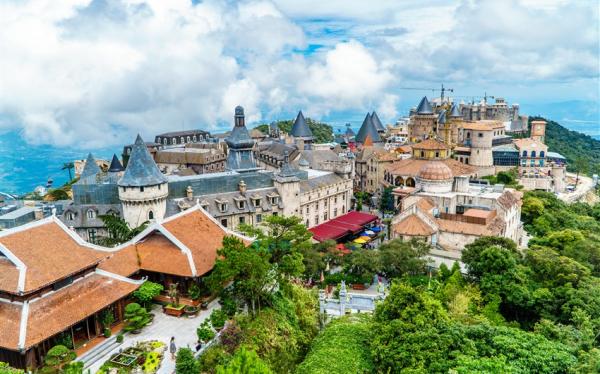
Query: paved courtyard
163	328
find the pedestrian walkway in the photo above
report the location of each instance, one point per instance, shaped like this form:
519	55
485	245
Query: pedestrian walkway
162	329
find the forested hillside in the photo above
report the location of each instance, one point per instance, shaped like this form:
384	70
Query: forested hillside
322	132
573	145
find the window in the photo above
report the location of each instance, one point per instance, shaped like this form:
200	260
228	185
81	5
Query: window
242	220
182	140
533	154
335	212
256	203
258	218
422	154
91	214
316	219
468	135
274	200
70	216
307	209
437	154
223	207
141	188
224	222
325	216
480	135
335	200
275	214
92	235
307	224
524	153
165	141
241	204
150	215
542	154
174	141
62	283
188	139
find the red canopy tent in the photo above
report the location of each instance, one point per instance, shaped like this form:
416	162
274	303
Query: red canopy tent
349	223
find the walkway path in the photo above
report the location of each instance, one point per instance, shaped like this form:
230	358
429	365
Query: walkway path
163	328
583	187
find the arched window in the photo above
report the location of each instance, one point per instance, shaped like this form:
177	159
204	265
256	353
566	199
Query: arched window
422	154
174	141
533	154
150	215
399	181
468	135
182	140
194	138
70	216
410	182
524	153
542	154
91	214
165	141
188	139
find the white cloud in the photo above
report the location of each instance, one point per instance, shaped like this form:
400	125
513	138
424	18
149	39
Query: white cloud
97	72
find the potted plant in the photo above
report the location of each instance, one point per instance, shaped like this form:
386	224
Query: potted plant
174	308
191	311
195	293
107	318
218	318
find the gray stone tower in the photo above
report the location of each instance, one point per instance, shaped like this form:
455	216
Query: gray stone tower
240	144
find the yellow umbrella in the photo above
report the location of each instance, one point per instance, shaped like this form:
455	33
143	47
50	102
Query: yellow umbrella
365	238
359	241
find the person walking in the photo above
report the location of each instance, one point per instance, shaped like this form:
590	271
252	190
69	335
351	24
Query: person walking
172	348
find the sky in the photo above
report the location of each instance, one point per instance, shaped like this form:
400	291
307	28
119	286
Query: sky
93	73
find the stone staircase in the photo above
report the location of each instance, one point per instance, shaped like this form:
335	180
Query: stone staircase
99	352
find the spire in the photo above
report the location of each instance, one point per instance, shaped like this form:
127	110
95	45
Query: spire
115	165
442	117
90	168
367	128
424	106
454	112
141	169
300	128
377	122
349	131
240	144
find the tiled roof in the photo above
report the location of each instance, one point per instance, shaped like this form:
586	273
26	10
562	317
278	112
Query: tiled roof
158	254
367	128
90	168
529	143
494	228
10	320
414	226
411	167
424	106
318	182
9	274
49	253
300	128
482	125
141	169
377	122
53	313
430	144
124	262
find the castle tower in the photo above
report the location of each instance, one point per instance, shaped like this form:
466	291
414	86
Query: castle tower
240	144
455	117
558	178
422	123
444	129
90	168
377	122
115	165
538	130
287	183
368	129
143	189
301	131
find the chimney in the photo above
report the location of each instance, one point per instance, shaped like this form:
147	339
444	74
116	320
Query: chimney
189	193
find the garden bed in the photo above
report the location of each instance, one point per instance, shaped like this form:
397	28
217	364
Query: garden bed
145	356
172	310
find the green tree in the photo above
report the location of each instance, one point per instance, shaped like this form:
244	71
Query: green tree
6	369
245	362
58	357
147	292
68	166
252	276
136	316
386	205
205	332
532	208
398	258
118	230
186	363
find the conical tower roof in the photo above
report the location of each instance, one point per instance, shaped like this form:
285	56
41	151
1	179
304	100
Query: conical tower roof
300	128
454	112
424	106
115	165
442	117
90	168
141	169
368	128
349	131
377	122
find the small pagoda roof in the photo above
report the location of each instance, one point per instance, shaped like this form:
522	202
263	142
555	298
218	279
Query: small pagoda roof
424	106
300	128
141	169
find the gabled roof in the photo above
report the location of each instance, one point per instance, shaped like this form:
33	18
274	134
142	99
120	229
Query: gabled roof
430	144
115	165
413	225
90	168
141	169
442	117
377	122
42	253
368	128
424	106
454	112
300	128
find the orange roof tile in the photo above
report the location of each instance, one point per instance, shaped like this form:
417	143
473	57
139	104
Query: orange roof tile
430	144
413	226
411	167
494	228
53	313
49	253
483	125
202	235
10	320
124	262
478	213
9	275
157	253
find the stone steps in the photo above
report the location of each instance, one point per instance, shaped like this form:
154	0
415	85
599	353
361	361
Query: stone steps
99	352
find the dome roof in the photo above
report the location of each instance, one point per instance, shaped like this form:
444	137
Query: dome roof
435	171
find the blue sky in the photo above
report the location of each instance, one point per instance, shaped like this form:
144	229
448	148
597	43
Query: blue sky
93	73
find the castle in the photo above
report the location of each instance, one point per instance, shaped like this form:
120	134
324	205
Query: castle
244	193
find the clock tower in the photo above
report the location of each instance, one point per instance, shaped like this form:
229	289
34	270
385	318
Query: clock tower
538	130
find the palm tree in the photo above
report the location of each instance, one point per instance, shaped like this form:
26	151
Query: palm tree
118	230
68	166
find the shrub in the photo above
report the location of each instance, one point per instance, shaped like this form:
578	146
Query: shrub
120	338
194	291
218	318
185	362
212	357
245	362
205	332
147	291
107	333
5	369
231	337
229	306
136	316
59	355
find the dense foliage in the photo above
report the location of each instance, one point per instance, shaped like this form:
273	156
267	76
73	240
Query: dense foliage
185	363
245	362
147	291
118	230
573	145
340	348
322	132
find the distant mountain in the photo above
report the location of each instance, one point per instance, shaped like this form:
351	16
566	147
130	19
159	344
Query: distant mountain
573	145
578	115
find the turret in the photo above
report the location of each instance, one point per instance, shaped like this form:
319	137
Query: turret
143	189
240	144
301	131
